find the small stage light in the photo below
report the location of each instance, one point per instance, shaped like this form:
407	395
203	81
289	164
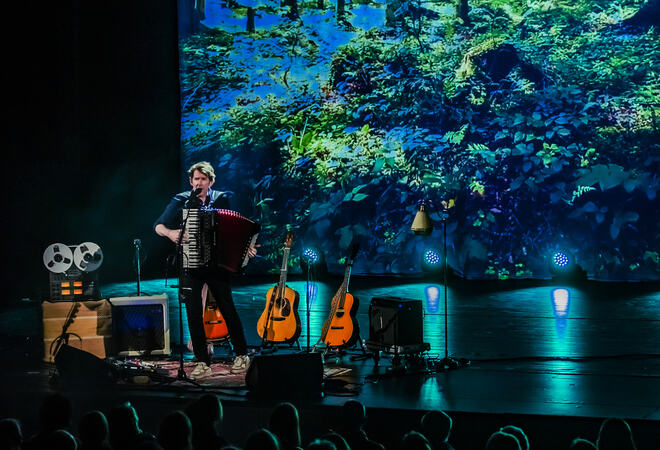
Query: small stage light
561	260
432	261
311	255
562	266
432	257
312	262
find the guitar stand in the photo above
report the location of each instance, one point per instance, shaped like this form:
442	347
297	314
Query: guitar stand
343	350
268	347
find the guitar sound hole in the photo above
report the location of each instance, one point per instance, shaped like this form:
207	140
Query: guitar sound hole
284	306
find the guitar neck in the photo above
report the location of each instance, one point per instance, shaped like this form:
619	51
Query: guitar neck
283	272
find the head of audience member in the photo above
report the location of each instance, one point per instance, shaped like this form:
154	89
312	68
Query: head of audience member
175	432
502	441
285	424
413	440
519	434
336	439
436	426
11	436
124	426
206	416
261	439
615	434
55	412
149	444
320	444
62	440
353	414
93	428
582	444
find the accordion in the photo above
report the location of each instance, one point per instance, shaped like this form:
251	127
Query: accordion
217	238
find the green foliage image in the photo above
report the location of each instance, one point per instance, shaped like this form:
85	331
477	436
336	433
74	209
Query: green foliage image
538	120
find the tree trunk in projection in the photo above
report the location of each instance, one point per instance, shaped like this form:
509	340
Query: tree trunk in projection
341	10
463	8
250	20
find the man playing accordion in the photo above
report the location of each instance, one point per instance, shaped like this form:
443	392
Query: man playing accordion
202	177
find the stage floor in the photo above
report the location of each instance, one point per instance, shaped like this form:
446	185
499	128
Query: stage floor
534	353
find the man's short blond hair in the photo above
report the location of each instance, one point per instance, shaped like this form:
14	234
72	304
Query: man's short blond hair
203	166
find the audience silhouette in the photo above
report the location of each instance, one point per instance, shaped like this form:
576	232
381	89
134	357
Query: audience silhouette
321	444
413	440
61	440
54	414
285	424
93	431
519	434
581	444
352	429
336	439
11	435
261	439
206	416
175	432
124	425
615	434
502	441
436	427
198	429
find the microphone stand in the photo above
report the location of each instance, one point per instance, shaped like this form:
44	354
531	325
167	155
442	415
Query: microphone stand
181	374
307	303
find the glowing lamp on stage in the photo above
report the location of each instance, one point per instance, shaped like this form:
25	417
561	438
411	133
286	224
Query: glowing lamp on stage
312	262
562	266
561	260
432	258
311	256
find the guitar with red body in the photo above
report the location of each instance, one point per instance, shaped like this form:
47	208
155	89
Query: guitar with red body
341	327
215	326
279	322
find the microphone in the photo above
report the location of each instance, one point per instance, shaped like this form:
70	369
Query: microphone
193	199
137	242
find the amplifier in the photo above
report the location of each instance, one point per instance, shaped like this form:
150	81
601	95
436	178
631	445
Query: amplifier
395	321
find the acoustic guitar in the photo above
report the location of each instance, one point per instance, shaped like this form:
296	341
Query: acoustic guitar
341	328
279	322
215	326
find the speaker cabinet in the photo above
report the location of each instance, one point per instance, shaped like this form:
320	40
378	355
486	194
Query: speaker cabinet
395	321
140	326
84	325
78	366
285	375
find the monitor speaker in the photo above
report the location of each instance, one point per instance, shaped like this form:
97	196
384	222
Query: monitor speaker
78	366
140	326
284	375
396	321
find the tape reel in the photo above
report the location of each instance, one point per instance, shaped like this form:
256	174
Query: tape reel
58	258
88	257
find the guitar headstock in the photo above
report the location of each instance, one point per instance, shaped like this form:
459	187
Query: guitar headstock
353	251
289	239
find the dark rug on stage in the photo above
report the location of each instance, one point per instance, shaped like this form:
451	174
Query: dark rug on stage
166	371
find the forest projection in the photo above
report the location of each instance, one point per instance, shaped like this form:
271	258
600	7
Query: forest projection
537	120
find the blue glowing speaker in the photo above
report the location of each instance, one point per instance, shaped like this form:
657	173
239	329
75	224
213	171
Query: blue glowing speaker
140	326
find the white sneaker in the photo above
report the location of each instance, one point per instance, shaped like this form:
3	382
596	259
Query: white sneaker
201	370
241	364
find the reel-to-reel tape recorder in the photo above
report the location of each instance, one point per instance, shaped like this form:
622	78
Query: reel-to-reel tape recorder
73	271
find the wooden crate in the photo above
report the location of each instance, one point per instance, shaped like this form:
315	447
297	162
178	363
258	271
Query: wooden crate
88	325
